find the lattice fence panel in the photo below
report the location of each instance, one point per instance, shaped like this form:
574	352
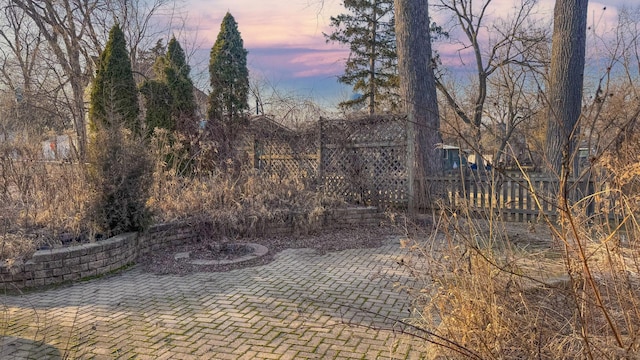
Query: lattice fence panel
364	160
369	130
276	150
304	166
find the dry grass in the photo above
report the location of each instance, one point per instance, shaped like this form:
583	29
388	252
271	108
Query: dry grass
561	290
238	201
42	202
39	200
239	205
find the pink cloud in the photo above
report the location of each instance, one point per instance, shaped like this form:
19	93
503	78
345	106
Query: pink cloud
328	62
297	62
262	23
285	38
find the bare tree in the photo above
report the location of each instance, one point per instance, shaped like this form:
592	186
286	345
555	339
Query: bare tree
75	32
612	109
66	27
511	41
515	101
19	52
27	72
566	77
294	110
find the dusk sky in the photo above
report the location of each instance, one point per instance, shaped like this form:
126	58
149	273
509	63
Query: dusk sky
286	46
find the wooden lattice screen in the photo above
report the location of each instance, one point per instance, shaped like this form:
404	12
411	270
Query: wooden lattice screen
277	150
364	160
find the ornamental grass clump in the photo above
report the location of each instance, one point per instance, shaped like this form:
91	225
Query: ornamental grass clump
39	200
563	286
239	203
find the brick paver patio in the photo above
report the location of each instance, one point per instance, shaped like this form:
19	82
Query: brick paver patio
303	305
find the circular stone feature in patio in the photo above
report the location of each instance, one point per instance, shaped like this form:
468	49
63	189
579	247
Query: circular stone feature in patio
230	253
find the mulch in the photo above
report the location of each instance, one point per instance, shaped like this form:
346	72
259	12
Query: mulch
162	262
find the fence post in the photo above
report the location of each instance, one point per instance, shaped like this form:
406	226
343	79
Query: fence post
411	158
320	145
256	156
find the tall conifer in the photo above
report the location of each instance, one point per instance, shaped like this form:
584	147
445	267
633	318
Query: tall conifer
176	75
369	30
159	105
119	170
114	96
170	96
229	76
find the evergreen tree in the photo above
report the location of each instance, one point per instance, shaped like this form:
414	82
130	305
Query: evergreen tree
148	59
120	177
169	97
159	105
119	170
229	78
371	68
114	96
176	75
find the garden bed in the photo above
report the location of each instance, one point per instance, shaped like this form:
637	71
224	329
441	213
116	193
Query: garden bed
71	263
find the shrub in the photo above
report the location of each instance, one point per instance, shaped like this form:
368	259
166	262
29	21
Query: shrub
233	202
119	174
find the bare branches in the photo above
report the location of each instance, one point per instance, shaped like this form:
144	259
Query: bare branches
295	111
494	43
62	39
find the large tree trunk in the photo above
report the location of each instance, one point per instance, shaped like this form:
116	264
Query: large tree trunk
418	88
565	83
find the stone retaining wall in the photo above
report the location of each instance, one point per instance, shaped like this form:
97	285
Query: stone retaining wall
55	266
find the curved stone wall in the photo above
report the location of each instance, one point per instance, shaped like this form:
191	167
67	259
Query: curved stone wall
55	266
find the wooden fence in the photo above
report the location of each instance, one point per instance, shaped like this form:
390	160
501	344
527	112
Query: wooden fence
364	161
361	160
275	149
514	198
